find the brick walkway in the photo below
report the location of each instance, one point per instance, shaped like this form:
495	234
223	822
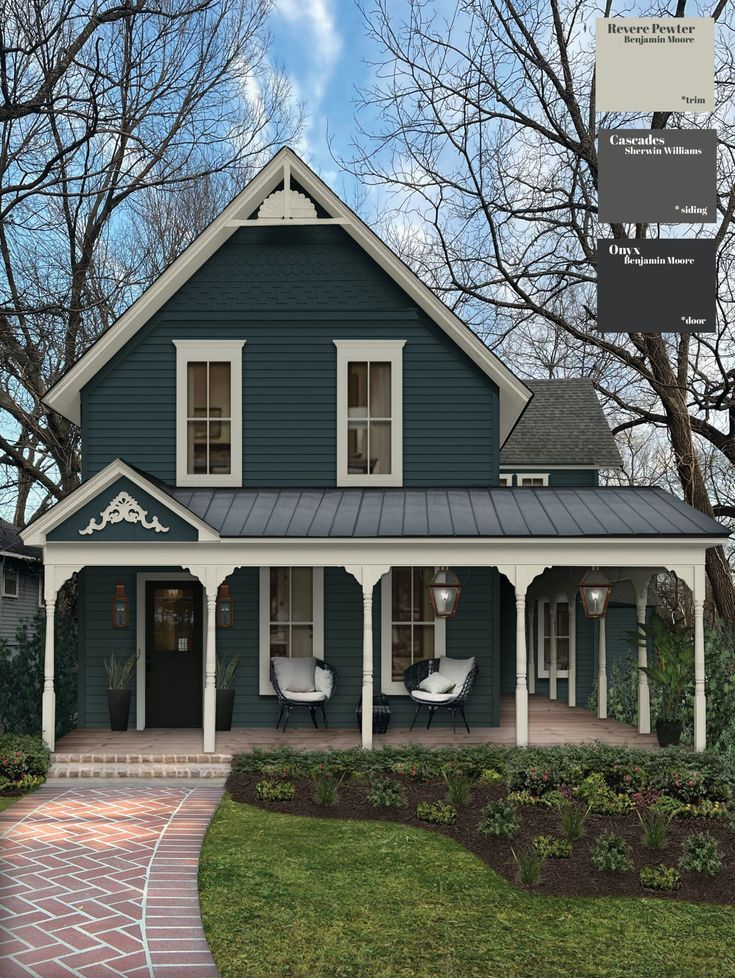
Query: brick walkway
101	882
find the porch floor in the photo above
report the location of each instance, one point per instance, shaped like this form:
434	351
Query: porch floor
550	723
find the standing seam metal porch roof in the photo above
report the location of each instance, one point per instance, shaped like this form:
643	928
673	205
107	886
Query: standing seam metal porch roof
445	512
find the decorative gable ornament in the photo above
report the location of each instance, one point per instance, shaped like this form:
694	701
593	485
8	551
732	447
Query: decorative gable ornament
123	509
287	205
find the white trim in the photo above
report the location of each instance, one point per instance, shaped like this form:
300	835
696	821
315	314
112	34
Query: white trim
572	677
15	556
505	479
522	476
264	636
390	351
541	672
64	396
513	467
387	684
36	532
3	592
140	639
206	351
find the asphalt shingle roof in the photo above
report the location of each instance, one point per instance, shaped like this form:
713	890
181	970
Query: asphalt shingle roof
10	542
563	424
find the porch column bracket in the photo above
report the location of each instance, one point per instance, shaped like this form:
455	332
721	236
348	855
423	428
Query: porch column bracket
640	582
367	576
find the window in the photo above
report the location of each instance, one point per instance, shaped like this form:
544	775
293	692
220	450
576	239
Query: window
291	616
563	636
532	479
409	631
209	412
505	479
370	412
10	580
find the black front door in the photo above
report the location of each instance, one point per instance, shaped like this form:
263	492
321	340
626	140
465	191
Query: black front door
173	654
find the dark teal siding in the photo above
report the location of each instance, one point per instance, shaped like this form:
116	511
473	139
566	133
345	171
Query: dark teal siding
562	477
178	529
289	294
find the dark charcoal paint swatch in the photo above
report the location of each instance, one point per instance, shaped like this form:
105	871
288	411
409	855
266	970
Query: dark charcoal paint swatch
663	286
657	176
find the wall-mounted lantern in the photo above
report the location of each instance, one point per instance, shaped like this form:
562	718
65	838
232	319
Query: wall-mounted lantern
595	591
445	589
225	607
120	615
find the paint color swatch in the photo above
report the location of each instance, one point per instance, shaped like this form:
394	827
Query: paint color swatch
661	286
657	176
655	64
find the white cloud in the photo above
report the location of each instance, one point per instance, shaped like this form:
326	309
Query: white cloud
322	44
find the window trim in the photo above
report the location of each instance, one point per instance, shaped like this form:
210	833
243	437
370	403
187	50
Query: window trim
387	685
520	476
542	673
264	600
390	351
5	593
208	351
505	480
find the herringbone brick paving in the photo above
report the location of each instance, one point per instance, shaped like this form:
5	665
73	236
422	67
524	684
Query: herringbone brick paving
101	882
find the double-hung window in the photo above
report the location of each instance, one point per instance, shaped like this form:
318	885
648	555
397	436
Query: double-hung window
369	412
533	478
209	412
10	580
409	630
291	616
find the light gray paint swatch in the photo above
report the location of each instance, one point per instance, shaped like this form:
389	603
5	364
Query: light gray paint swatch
661	176
655	64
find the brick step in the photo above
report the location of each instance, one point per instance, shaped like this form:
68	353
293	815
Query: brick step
113	757
125	769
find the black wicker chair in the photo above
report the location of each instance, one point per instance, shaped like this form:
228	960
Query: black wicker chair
454	701
288	701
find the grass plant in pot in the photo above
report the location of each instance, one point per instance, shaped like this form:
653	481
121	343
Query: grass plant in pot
225	683
672	672
119	677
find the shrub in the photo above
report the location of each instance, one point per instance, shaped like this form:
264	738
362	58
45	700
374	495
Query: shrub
499	818
572	819
611	854
529	865
660	877
490	776
386	793
601	799
272	790
548	800
552	848
436	812
655	828
701	809
701	854
24	761
325	786
458	787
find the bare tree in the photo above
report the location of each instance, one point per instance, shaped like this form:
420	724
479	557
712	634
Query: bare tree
123	128
487	138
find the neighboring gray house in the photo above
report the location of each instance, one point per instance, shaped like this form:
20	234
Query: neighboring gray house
21	581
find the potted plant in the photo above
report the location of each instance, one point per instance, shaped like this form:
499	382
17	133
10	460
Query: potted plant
672	673
225	683
119	677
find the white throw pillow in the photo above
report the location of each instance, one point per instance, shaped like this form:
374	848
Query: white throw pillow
296	675
323	681
455	669
436	683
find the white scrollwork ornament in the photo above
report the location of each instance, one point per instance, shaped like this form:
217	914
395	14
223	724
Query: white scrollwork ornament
123	509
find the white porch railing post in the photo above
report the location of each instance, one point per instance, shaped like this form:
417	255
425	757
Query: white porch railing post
700	701
601	670
572	681
644	693
210	668
553	671
529	641
521	659
48	704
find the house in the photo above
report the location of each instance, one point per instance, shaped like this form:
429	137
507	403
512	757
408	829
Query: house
21	581
290	424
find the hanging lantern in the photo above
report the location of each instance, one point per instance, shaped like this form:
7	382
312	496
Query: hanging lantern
595	591
445	589
225	607
120	617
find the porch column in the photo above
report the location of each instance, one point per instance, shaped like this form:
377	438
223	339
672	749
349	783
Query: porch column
210	668
552	649
529	641
601	671
700	702
521	677
367	576
48	702
644	693
572	681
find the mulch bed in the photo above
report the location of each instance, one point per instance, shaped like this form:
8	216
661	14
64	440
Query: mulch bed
575	876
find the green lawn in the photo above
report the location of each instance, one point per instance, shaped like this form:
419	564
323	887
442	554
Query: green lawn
318	898
6	802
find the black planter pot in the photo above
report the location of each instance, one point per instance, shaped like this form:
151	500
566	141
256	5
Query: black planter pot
668	732
118	703
223	714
